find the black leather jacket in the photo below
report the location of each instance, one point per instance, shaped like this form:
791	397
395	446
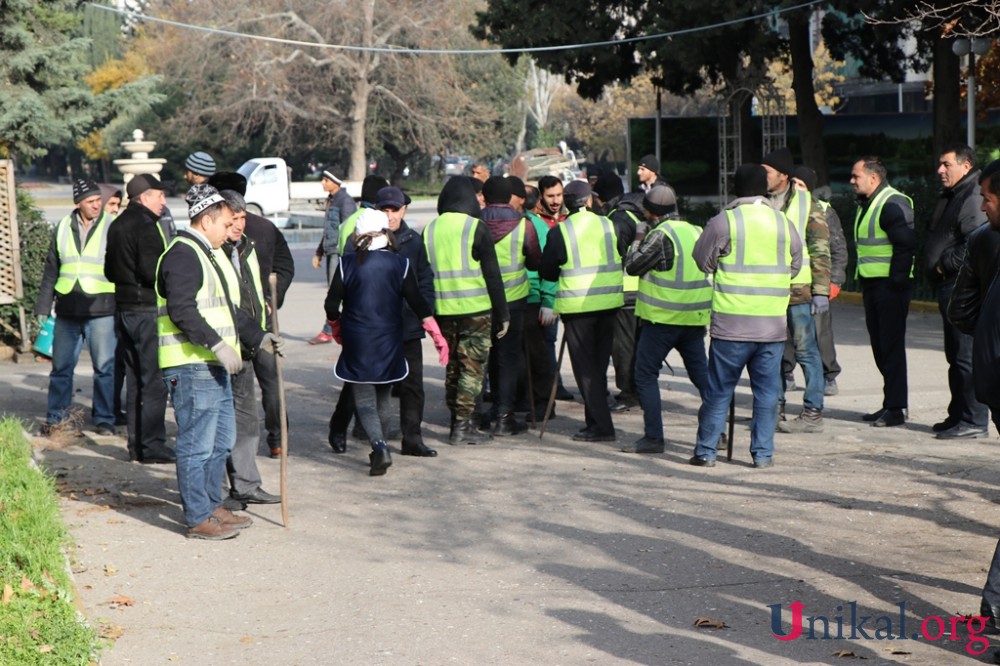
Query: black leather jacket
975	276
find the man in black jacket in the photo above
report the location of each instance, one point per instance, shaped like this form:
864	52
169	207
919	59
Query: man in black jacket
273	256
135	243
957	215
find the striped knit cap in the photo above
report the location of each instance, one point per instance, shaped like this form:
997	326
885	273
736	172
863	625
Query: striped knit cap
200	163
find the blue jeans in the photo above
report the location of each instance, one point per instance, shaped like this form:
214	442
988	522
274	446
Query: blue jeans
202	396
655	342
802	329
726	360
67	341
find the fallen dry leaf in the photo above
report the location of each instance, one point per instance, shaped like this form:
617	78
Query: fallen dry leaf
110	570
26	584
246	639
119	600
8	593
847	654
705	622
44	649
111	631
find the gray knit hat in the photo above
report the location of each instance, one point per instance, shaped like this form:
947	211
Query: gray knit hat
200	163
84	188
660	200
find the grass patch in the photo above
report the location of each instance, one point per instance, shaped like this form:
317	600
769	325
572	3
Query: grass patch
38	622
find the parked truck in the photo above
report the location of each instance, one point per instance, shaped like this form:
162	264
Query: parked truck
270	189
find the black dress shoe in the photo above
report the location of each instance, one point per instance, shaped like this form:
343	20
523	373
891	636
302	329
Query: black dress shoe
162	456
380	459
563	394
257	496
644	445
419	449
947	424
592	436
963	431
874	416
701	462
233	504
338	441
890	418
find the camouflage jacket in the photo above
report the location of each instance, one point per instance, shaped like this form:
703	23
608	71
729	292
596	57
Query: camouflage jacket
817	240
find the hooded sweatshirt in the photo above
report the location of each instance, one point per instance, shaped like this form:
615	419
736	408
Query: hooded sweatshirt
459	196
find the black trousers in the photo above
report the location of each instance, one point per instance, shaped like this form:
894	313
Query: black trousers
886	309
623	350
827	350
145	392
505	363
265	368
344	411
963	407
536	353
589	338
411	394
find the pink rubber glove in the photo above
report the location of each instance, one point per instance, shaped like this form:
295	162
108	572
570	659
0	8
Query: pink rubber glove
440	343
335	331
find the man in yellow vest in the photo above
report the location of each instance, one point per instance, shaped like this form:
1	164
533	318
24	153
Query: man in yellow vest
673	306
200	330
753	252
244	477
621	208
84	298
810	291
886	243
469	300
583	255
517	249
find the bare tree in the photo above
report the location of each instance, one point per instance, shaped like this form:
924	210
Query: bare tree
966	18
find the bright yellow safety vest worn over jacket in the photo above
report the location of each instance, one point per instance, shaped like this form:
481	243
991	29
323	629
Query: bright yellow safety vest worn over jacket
754	278
874	246
213	305
86	266
681	296
459	285
510	256
591	278
797	213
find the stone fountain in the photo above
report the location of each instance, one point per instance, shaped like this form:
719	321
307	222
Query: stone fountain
139	160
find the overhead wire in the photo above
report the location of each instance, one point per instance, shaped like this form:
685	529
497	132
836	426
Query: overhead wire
403	50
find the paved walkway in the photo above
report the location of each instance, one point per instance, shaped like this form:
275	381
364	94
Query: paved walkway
529	551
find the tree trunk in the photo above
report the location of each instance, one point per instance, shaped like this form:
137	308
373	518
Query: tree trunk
361	91
810	118
947	91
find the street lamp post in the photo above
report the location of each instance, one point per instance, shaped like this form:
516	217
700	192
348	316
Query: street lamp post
971	47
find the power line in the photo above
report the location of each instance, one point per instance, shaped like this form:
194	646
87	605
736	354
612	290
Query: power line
411	51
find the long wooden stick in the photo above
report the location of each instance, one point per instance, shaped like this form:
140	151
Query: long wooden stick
555	388
732	419
272	280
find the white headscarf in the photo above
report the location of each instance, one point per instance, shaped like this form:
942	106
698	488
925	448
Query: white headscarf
373	221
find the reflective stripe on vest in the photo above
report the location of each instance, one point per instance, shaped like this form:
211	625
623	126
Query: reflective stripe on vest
511	259
459	285
86	267
797	212
213	306
591	278
754	278
254	265
347	229
682	295
874	246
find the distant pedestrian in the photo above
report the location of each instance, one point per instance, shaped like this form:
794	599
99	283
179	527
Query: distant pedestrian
648	173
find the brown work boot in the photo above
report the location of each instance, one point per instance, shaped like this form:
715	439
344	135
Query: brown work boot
230	519
211	528
810	420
